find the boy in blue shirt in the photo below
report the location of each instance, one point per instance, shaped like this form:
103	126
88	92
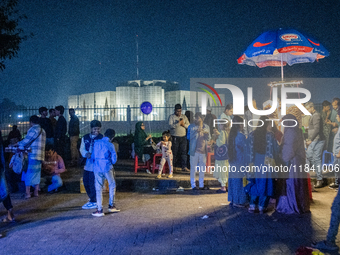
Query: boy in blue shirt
104	156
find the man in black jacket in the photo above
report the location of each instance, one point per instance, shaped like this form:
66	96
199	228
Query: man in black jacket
60	132
73	132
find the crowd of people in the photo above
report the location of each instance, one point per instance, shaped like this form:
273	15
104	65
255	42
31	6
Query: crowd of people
43	148
236	145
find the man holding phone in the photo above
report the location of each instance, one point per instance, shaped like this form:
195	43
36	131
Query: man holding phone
179	123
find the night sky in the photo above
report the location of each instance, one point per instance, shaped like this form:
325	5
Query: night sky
87	46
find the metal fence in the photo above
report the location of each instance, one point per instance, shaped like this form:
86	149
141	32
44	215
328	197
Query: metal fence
122	119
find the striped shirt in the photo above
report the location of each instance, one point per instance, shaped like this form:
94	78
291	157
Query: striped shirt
36	141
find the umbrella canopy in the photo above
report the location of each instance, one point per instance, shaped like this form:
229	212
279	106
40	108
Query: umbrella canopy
281	47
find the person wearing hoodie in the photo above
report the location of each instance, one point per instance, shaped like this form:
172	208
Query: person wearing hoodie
52	167
104	157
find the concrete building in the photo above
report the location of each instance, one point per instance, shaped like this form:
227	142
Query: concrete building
113	105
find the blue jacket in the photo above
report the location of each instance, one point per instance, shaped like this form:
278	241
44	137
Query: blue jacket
104	155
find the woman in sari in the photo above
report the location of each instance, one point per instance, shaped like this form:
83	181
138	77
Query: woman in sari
237	158
263	150
294	194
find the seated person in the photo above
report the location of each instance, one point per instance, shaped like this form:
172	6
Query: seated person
52	167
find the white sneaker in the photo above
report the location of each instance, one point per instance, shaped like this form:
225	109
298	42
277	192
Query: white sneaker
89	205
148	171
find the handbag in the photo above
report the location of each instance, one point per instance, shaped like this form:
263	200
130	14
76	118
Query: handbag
221	152
17	162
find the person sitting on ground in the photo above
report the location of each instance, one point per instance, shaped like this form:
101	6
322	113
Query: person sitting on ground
104	157
52	167
167	156
86	148
142	141
14	136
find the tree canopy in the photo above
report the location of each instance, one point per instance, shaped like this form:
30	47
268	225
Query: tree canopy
11	35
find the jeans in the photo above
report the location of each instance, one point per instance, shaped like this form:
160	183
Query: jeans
99	183
197	160
89	180
179	149
335	219
314	154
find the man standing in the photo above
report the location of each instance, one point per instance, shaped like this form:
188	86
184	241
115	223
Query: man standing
325	113
209	119
73	131
333	122
60	132
35	140
52	118
86	150
334	126
315	143
46	124
179	123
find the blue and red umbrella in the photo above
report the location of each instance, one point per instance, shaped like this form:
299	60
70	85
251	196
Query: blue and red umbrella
281	47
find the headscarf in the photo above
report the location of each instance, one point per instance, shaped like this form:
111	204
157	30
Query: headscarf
139	133
289	123
294	110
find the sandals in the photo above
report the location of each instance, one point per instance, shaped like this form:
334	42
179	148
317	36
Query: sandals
7	220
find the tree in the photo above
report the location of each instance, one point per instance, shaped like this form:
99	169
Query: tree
11	35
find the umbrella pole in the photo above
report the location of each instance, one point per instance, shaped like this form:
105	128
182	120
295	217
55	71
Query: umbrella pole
281	68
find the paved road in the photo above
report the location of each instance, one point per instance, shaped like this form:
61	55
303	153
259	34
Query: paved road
158	223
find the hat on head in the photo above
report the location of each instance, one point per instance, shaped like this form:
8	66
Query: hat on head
209	108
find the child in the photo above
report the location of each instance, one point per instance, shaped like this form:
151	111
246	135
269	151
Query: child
52	167
104	156
86	148
165	146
